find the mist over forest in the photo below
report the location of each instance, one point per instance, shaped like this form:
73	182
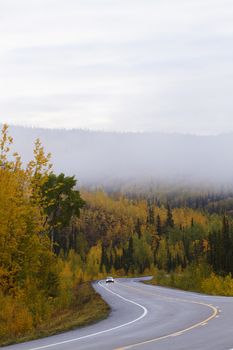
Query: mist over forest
108	158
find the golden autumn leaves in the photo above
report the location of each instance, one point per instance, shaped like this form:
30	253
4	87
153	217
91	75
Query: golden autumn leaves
26	260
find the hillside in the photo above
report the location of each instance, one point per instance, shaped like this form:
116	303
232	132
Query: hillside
101	158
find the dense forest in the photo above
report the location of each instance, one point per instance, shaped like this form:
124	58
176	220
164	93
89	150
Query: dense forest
137	235
54	238
186	246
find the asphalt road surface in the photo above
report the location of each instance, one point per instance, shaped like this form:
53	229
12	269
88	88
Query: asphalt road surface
146	317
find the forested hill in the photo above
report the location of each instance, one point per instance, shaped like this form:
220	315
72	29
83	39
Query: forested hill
103	158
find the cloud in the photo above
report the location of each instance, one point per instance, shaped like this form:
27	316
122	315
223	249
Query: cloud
135	65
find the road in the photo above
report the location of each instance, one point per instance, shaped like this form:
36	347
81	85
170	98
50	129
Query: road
146	317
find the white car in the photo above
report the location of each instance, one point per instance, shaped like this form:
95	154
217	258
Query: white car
109	280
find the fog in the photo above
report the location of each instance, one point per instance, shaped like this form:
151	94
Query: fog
104	158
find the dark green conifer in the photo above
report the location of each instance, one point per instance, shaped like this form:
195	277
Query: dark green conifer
169	222
158	226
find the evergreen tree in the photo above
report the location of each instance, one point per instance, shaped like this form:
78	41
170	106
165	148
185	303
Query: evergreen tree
169	221
158	226
104	259
226	246
138	228
192	223
129	261
111	260
151	215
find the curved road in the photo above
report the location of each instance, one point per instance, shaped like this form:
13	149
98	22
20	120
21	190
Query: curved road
148	317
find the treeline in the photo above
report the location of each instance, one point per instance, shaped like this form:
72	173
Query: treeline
213	199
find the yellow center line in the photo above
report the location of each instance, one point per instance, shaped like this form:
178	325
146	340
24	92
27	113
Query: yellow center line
213	315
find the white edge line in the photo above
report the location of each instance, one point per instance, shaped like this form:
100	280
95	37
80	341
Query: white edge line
145	311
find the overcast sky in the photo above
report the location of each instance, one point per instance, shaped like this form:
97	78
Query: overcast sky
129	65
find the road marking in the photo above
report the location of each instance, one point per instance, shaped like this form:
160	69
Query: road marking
214	314
145	311
176	334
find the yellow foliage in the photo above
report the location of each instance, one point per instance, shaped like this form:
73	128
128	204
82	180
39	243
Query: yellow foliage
93	263
183	216
217	285
27	265
15	318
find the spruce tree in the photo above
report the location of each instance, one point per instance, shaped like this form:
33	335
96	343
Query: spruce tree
158	226
138	228
104	259
150	213
130	255
169	222
192	223
226	246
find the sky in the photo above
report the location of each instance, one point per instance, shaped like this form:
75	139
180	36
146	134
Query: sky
122	65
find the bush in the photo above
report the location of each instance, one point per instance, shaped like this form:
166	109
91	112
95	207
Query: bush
217	285
15	318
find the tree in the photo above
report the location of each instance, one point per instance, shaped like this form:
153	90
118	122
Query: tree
158	226
129	256
226	246
61	202
104	263
169	221
143	255
151	214
162	255
192	223
138	229
39	170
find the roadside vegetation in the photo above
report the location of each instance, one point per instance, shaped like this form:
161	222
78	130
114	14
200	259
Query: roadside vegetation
41	292
195	278
86	308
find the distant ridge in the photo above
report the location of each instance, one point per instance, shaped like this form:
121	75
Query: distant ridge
100	157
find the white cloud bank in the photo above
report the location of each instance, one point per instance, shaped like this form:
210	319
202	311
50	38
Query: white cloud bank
164	65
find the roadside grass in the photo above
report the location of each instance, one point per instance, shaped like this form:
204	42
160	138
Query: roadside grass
88	308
